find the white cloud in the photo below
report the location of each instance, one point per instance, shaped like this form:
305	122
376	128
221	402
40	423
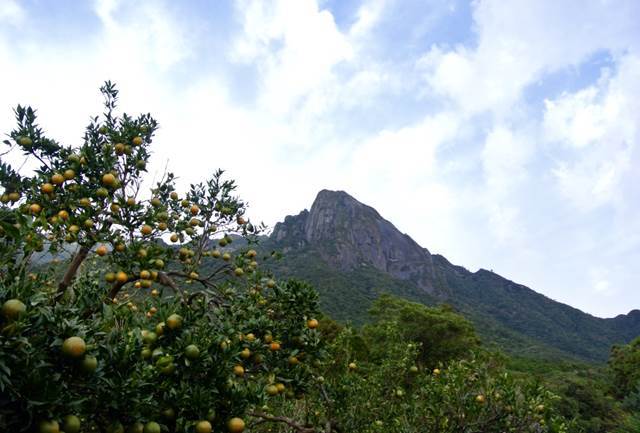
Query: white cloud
295	45
11	12
450	152
600	124
519	42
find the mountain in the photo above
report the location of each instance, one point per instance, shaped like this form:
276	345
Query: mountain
352	254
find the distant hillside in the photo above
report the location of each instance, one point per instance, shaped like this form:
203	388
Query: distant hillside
352	254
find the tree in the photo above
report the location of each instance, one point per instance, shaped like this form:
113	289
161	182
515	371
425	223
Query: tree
442	334
624	365
112	337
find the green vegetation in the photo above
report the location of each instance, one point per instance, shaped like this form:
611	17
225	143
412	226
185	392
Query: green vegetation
129	332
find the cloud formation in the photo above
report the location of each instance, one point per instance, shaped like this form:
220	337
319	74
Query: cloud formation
503	135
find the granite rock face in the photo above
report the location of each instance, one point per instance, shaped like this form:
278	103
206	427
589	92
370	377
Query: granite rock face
349	234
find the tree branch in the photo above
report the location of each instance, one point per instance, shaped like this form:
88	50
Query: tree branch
72	270
291	423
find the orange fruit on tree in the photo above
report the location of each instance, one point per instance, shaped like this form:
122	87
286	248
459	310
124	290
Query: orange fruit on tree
89	364
137	141
12	309
174	321
194	209
63	215
14	196
84	202
312	323
108	179
47	188
280	387
192	351
203	427
274	346
145	275
101	250
238	370
110	277
174	238
271	390
122	277
68	175
152	427
74	347
35	208
48	427
146	230
245	353
71	424
236	425
57	179
119	148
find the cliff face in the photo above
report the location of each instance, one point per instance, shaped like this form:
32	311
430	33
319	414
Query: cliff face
349	234
352	254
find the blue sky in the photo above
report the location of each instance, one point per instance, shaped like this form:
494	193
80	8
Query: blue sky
503	135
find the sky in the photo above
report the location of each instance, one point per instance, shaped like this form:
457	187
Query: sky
502	135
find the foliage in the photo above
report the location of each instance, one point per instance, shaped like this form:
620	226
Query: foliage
116	338
391	392
441	334
624	365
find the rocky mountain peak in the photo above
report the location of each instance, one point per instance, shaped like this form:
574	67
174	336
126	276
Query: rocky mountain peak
350	234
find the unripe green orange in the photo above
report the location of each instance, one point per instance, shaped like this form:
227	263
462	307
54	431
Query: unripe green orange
12	309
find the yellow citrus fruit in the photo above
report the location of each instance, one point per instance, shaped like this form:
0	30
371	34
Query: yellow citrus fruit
57	179
235	425
89	365
174	321
35	208
152	427
74	347
203	427
122	277
192	351
48	427
68	175
137	141
12	309
71	424
238	370
47	188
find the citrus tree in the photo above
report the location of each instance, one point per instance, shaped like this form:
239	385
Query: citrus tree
378	380
107	321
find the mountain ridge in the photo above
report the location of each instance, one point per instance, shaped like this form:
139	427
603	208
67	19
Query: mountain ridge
346	241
